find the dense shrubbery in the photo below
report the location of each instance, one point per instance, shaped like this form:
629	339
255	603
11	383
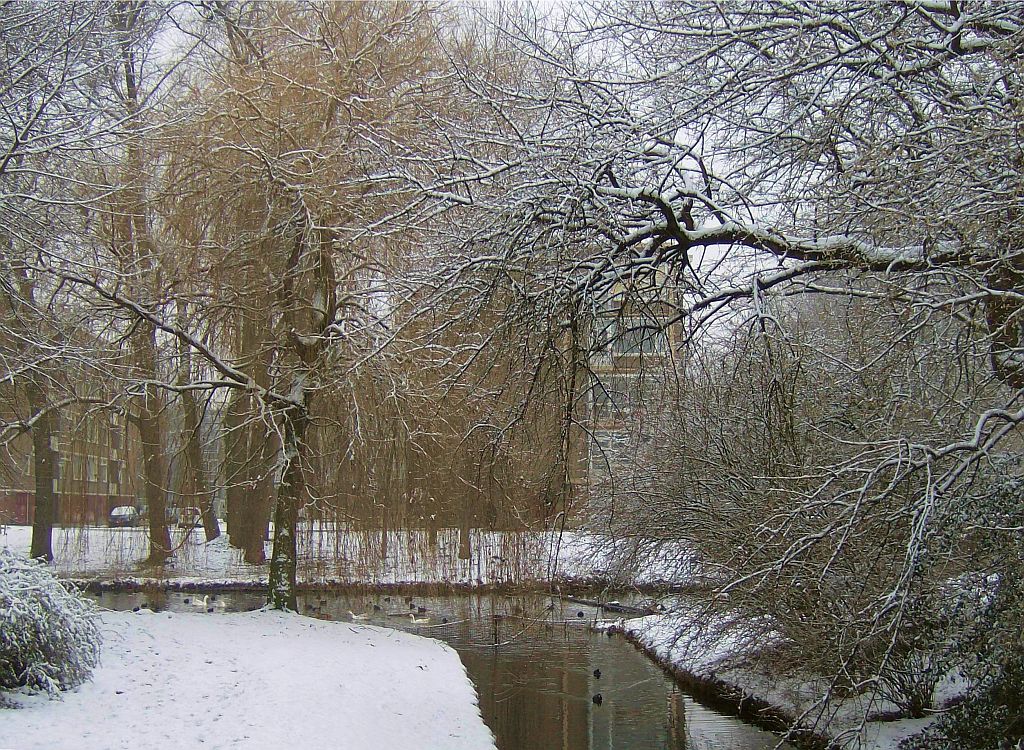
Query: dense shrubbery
49	636
866	570
991	716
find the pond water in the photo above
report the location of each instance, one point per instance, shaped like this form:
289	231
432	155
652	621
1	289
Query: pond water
550	682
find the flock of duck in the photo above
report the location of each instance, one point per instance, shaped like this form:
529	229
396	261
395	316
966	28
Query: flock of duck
416	614
363	616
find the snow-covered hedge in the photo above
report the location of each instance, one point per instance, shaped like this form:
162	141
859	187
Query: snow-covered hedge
49	635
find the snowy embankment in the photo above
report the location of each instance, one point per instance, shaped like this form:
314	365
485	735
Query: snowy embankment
339	556
719	659
259	679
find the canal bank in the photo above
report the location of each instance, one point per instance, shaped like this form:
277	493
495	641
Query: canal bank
580	608
187	679
475	619
727	698
87	554
736	672
544	676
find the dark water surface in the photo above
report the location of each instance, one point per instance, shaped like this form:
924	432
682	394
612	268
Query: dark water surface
537	686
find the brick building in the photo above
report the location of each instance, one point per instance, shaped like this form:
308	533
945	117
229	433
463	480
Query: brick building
631	355
98	468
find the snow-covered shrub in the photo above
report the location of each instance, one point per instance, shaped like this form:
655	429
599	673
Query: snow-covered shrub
990	718
990	715
909	678
49	635
921	653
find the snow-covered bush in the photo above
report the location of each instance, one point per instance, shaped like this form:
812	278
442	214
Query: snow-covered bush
990	718
49	635
991	714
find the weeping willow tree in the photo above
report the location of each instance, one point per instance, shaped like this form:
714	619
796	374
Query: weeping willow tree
468	437
298	229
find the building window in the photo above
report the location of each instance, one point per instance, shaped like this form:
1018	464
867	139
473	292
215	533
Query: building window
638	336
631	335
613	397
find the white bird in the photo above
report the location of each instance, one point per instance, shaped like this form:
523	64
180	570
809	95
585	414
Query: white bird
208	604
354	616
418	620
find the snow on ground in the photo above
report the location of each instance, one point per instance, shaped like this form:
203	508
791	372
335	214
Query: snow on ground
326	556
715	653
330	555
626	561
256	680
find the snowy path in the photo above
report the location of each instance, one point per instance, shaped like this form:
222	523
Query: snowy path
257	680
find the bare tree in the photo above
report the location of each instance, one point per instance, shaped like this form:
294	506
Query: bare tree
739	154
129	230
760	468
53	57
303	113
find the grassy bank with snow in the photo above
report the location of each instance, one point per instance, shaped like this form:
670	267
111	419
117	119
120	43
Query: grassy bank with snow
740	674
259	679
338	556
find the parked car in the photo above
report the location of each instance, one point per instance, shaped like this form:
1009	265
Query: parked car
124	515
189	518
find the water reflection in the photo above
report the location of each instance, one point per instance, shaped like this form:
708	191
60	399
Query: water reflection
549	683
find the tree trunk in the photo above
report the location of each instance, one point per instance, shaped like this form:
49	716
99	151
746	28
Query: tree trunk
234	433
248	455
131	234
195	477
258	503
195	472
149	423
384	533
284	557
44	459
430	516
